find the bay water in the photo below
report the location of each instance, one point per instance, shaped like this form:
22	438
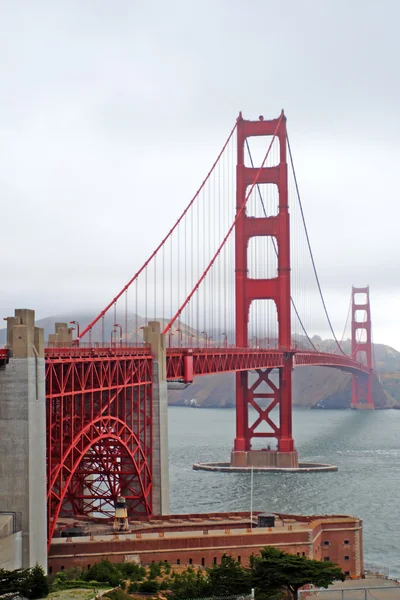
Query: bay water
364	445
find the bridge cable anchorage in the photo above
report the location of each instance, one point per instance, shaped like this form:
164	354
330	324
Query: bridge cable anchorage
309	247
276	252
163	241
231	228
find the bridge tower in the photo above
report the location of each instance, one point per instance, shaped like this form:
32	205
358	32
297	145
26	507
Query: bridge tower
361	350
278	394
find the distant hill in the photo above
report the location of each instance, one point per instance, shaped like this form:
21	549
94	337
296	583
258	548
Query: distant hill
313	387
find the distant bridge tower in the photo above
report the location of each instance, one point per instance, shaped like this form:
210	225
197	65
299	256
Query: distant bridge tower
277	289
361	350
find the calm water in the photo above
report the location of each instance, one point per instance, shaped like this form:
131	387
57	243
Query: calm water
364	445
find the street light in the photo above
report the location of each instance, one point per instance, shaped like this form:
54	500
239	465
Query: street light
225	339
120	332
112	333
205	337
179	337
77	327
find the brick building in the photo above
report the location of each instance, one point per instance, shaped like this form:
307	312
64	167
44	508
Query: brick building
201	539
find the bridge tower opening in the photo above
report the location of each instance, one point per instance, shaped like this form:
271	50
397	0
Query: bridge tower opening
361	348
277	392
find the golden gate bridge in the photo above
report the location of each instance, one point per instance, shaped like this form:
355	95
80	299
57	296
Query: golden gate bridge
230	285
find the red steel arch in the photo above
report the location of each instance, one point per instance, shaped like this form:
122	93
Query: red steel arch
99	432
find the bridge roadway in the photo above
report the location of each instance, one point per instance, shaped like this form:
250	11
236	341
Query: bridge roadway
185	363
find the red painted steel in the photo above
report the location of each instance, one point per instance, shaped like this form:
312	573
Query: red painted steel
276	289
223	360
99	399
362	383
99	431
3	356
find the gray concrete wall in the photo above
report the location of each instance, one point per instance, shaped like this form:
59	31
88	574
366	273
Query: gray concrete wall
23	436
11	552
160	444
152	335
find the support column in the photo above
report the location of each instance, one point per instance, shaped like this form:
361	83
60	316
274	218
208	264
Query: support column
23	435
361	350
277	289
160	497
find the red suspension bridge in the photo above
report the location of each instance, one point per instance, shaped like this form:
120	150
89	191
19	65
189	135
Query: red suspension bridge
235	288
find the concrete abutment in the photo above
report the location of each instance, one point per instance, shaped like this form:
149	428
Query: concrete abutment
23	436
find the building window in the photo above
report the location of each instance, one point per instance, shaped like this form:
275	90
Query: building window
50	570
239	559
347	542
203	562
88	566
190	561
62	567
298	554
215	560
326	558
326	543
347	572
347	558
178	561
303	553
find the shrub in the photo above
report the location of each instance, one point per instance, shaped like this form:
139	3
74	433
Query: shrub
149	586
104	572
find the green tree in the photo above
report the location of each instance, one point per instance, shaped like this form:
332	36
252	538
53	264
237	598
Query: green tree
37	583
155	570
131	571
149	586
273	570
30	583
104	572
13	581
229	577
190	584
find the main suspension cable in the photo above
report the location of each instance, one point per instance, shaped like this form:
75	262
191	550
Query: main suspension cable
309	247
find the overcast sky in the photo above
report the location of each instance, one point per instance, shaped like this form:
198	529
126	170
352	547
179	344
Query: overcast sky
111	112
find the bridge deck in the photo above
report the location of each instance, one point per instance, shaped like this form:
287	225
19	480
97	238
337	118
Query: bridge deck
184	363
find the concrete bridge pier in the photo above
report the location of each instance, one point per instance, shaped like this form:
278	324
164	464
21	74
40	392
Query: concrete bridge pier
152	335
23	443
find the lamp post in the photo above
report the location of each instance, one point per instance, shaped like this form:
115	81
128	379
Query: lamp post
112	335
205	338
179	337
77	327
225	339
120	332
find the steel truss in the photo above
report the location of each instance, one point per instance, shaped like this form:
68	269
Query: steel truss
203	361
99	432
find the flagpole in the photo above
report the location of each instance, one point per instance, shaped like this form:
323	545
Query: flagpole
251	499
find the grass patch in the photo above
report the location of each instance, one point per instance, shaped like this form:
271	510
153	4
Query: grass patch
76	594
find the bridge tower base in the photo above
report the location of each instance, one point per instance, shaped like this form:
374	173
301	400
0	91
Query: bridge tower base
23	439
361	349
